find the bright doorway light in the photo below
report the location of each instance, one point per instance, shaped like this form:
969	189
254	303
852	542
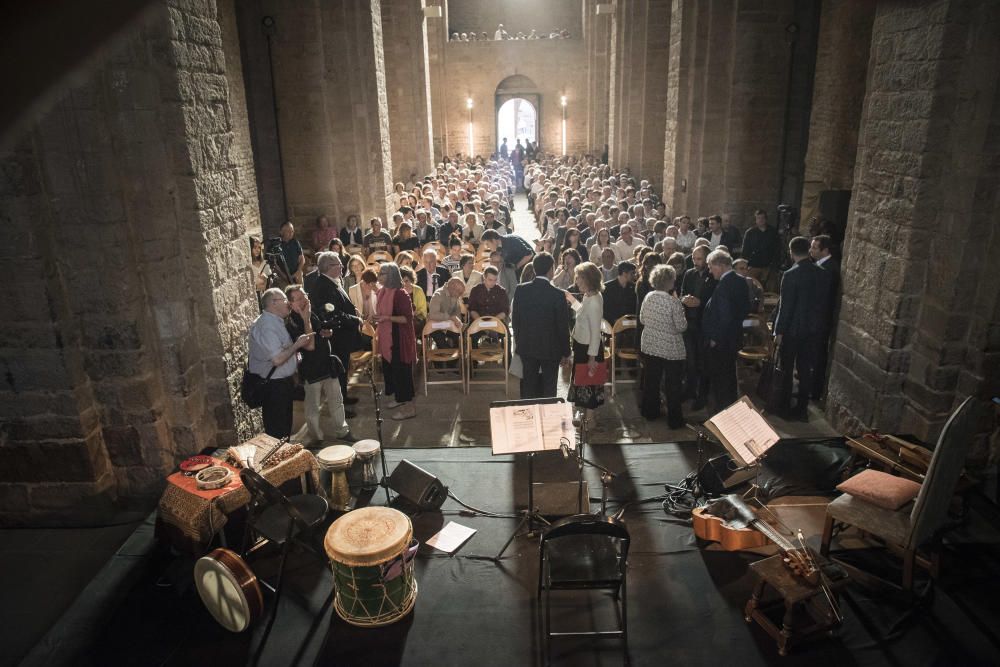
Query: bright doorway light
517	119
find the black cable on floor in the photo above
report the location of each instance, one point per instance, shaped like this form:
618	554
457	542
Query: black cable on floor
682	498
473	511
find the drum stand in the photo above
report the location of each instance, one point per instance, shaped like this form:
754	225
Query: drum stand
377	394
529	515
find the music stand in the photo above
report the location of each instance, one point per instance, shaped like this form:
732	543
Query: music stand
530	514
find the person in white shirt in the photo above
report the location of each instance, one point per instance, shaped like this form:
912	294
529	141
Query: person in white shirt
714	235
588	345
626	245
500	33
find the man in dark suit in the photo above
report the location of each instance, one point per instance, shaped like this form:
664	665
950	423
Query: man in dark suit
802	322
432	276
722	327
619	294
696	290
821	250
540	317
334	307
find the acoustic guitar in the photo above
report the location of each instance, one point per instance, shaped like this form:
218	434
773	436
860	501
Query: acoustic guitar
736	527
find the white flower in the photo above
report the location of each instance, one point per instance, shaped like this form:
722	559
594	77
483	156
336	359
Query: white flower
329	308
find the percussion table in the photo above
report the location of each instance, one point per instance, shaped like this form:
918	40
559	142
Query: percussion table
188	520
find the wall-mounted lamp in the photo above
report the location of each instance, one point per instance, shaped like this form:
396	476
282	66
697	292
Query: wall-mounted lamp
468	105
562	101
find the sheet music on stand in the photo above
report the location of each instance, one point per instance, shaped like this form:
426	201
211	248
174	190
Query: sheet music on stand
743	431
536	427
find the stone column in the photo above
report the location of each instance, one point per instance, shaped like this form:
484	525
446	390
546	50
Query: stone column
838	93
677	118
407	87
437	37
597	34
919	289
656	54
124	335
355	100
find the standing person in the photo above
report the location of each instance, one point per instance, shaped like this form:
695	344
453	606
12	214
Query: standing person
540	318
588	346
261	269
821	250
271	349
336	308
397	342
722	327
503	149
762	250
801	323
291	250
662	347
696	290
318	371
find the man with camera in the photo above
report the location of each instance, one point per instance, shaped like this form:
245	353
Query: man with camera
318	370
338	313
272	356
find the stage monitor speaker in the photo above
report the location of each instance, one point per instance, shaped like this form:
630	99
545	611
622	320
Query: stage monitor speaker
560	498
720	474
417	486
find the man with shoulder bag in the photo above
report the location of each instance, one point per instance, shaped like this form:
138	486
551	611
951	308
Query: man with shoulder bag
272	356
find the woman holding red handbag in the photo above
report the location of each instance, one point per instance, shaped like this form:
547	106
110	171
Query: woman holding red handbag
589	370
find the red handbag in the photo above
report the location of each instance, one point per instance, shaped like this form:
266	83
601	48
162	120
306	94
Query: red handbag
583	378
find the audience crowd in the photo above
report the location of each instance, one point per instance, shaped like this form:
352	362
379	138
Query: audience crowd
501	34
686	293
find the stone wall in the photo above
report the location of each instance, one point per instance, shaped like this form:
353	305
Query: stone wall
918	330
123	345
515	15
597	35
557	67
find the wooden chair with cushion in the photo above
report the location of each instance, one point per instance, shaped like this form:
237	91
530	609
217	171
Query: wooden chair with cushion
913	530
620	353
488	352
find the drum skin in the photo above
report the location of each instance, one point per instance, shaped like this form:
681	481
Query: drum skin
229	589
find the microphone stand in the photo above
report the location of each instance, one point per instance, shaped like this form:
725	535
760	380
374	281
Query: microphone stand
606	475
376	394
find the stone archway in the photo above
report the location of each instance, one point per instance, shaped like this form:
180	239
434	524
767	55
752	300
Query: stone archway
516	87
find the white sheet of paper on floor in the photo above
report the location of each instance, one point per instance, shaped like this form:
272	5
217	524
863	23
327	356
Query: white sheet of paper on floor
451	537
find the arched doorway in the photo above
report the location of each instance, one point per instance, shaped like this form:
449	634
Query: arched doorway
517	120
518	111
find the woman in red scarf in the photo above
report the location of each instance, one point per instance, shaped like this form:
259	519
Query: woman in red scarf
397	343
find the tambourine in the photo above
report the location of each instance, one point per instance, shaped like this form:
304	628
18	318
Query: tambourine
214	477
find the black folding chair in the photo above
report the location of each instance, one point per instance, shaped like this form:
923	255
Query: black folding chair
584	552
282	520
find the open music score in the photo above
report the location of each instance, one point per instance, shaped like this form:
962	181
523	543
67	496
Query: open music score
743	431
518	429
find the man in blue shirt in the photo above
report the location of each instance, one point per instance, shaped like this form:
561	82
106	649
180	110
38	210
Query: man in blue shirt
272	353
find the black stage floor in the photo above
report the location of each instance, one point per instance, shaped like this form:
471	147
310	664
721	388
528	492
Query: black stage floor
685	602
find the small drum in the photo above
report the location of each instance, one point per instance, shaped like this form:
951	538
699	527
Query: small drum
337	459
367	451
371	552
229	589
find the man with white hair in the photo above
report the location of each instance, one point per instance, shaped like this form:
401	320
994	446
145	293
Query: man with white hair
272	356
722	327
432	276
335	306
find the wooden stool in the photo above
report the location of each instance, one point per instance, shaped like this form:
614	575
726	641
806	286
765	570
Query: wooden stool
807	612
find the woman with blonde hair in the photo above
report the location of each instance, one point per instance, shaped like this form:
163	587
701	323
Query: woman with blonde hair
662	346
588	347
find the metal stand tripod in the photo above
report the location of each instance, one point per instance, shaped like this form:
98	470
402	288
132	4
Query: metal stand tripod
377	395
529	515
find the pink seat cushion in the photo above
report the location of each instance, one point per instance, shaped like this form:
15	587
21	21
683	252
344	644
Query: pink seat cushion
881	489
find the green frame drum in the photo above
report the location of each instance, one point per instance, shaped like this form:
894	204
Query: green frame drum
371	554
